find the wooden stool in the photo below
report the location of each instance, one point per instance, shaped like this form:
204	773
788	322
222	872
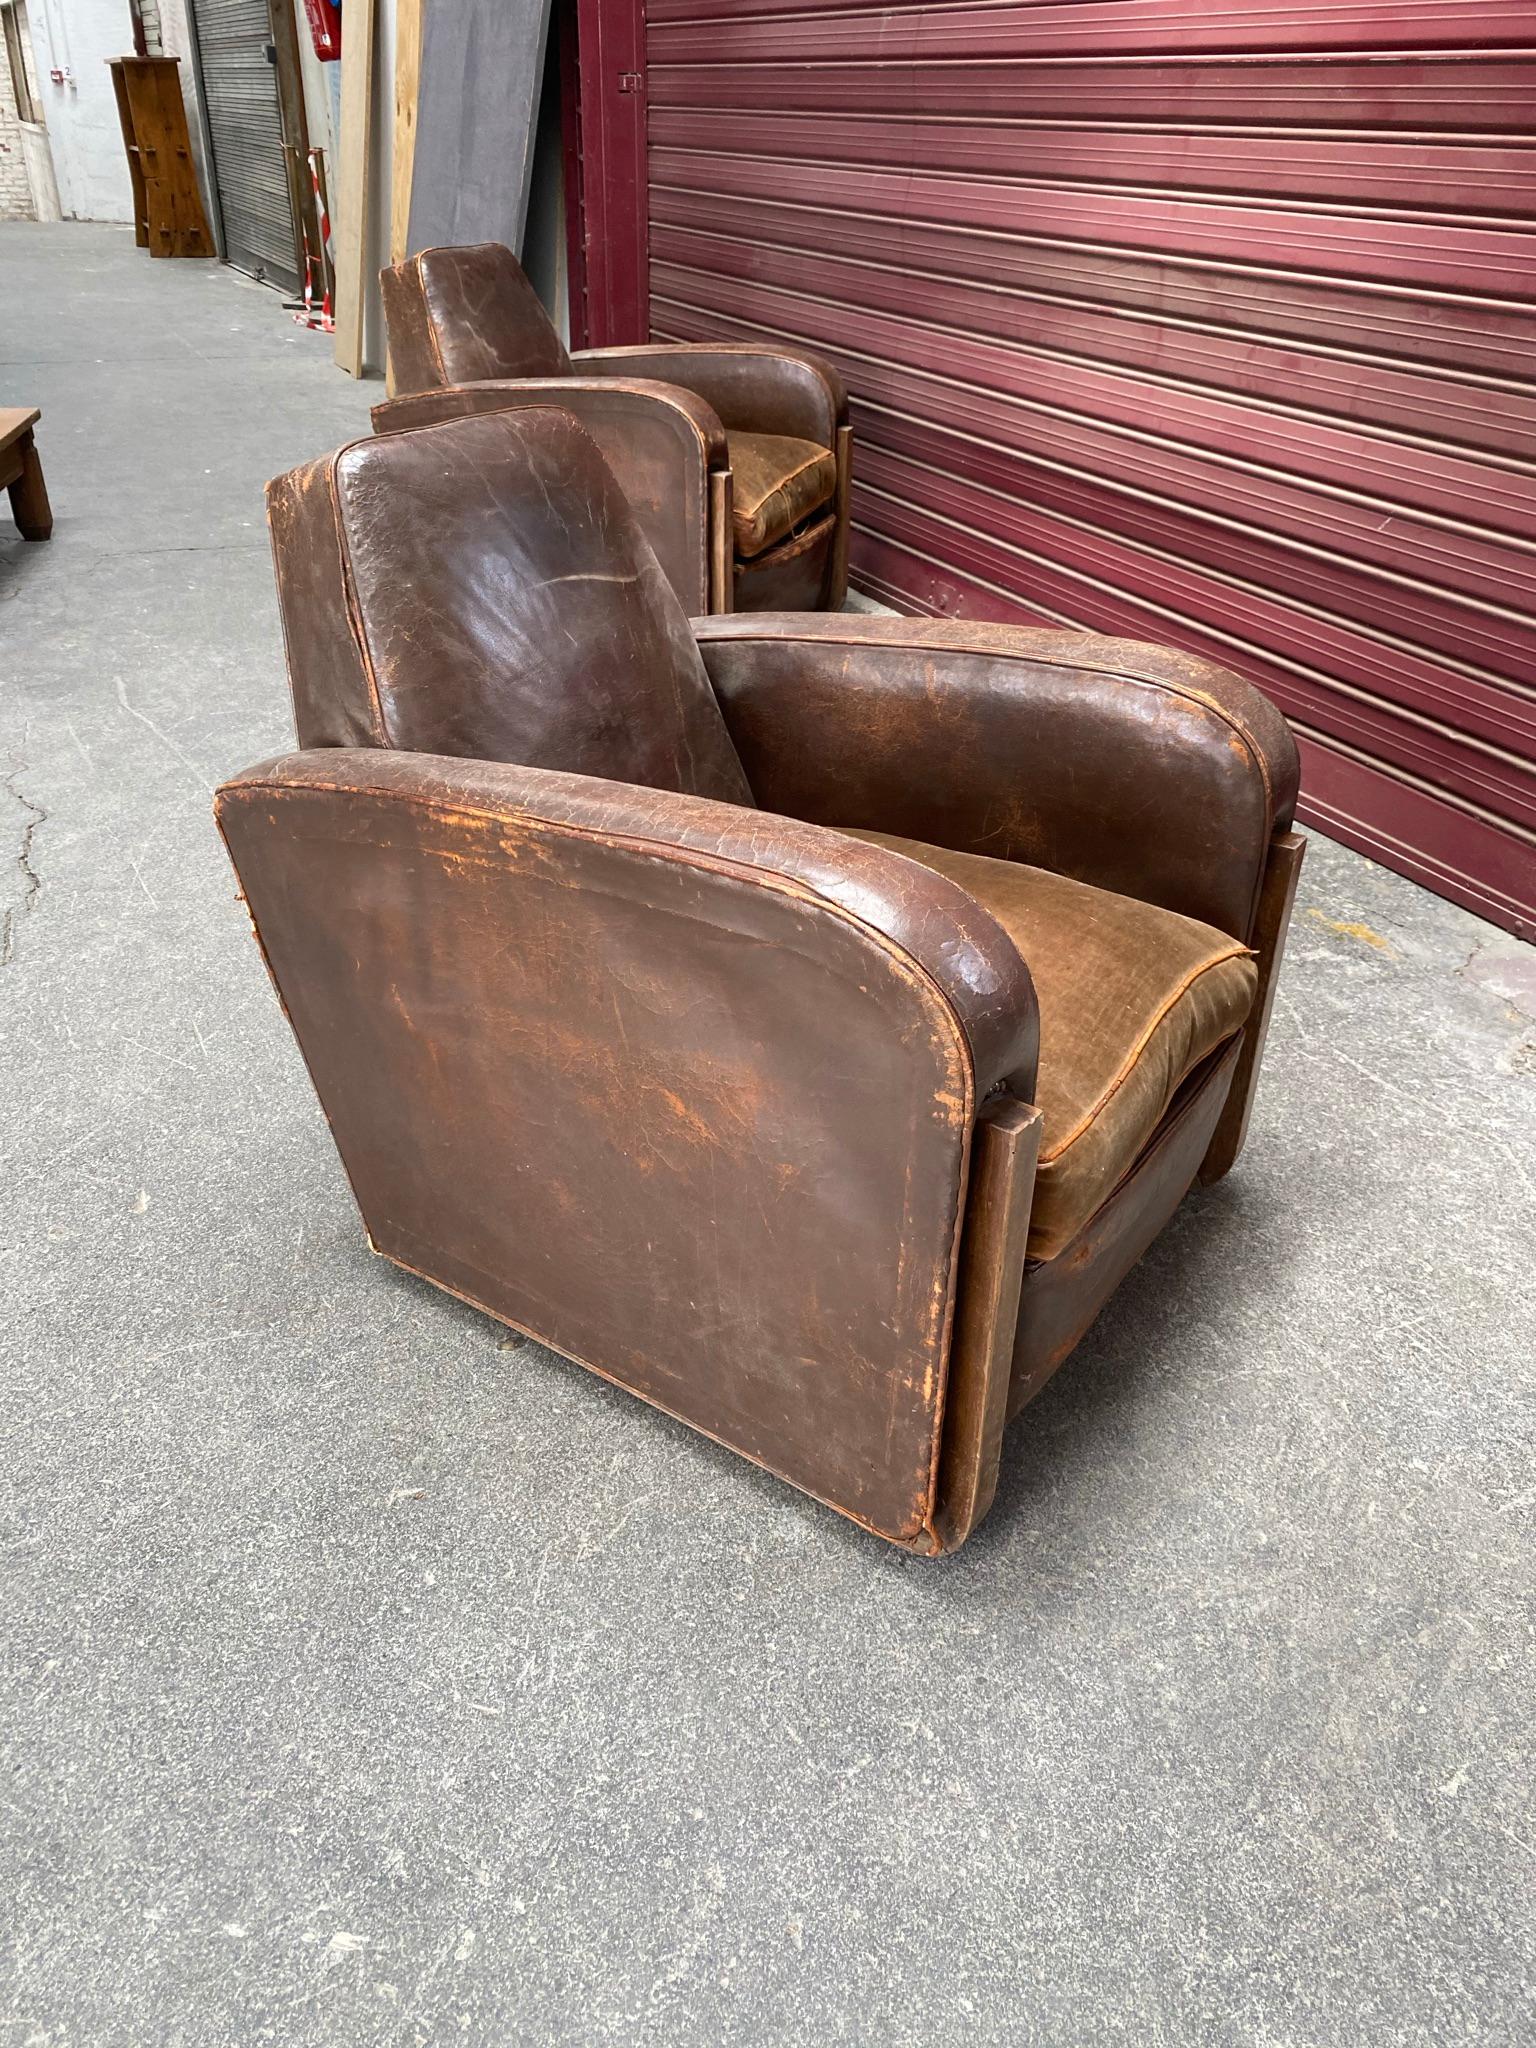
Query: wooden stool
22	473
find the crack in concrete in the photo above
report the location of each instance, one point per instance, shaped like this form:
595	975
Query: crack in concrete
172	746
1504	973
31	880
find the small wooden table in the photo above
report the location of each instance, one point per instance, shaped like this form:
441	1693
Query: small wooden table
22	473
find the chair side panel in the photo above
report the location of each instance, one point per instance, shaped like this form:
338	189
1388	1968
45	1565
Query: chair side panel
707	1137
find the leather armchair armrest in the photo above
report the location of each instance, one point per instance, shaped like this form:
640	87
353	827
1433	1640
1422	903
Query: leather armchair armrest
753	388
587	399
936	928
1133	767
686	1092
664	445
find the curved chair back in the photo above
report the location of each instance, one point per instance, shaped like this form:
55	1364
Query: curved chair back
458	316
482	588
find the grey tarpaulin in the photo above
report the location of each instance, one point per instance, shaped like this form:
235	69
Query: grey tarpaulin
477	111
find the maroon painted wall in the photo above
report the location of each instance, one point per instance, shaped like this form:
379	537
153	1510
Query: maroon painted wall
602	61
1205	323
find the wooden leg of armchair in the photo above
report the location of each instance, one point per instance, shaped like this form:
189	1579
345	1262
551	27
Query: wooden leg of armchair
1276	896
722	551
837	567
1004	1152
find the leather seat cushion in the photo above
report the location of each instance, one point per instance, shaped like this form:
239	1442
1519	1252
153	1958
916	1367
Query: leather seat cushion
776	482
1132	999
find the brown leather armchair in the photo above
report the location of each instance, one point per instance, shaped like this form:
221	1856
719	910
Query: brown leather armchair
737	458
803	1022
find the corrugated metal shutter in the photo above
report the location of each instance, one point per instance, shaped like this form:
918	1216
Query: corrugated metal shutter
240	100
1204	323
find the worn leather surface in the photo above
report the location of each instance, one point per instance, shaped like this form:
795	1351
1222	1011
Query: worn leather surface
778	482
660	442
790	577
681	1090
599	403
1136	768
1061	1296
457	315
752	387
482	588
1132	999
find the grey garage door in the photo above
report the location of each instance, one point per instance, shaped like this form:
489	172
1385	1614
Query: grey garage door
240	99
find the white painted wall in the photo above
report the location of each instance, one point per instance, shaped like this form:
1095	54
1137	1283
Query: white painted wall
76	38
16	201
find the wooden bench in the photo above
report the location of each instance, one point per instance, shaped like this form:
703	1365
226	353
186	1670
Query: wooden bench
22	473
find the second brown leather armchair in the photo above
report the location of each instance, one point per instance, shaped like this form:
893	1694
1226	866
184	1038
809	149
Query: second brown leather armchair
804	1022
737	458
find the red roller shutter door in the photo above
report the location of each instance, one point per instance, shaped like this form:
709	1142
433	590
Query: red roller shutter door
1207	324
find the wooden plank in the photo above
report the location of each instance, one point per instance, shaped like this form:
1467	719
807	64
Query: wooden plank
135	168
295	127
408	15
481	69
154	118
352	159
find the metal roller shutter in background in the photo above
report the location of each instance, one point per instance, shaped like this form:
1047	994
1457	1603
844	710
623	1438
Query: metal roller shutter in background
240	100
1203	323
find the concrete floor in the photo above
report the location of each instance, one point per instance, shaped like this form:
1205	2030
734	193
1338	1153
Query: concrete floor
372	1677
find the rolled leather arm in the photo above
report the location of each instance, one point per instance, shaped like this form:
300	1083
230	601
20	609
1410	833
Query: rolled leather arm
753	388
660	442
588	399
940	935
1130	766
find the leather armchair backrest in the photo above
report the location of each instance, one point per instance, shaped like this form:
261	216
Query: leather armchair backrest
455	316
481	588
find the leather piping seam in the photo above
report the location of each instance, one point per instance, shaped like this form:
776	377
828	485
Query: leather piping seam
1168	1125
349	592
1217	1057
1128	1065
906	964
